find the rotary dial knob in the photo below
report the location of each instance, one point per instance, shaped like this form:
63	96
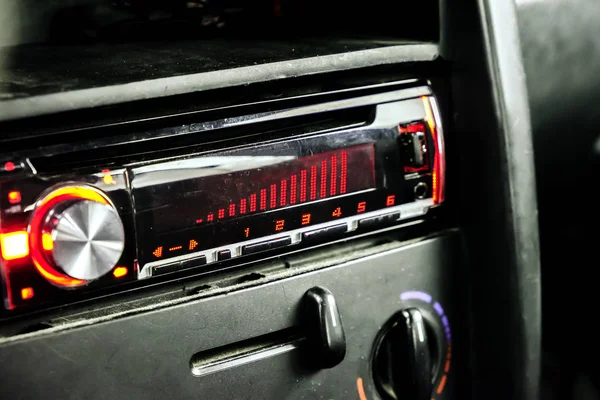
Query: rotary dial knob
76	235
88	239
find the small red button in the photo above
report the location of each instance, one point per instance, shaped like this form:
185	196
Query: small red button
14	197
27	293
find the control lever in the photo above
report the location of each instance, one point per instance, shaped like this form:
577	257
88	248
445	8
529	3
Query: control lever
323	327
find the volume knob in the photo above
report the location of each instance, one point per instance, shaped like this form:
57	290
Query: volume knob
76	235
88	239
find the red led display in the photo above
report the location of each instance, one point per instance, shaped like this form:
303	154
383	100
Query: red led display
302	186
263	199
321	178
279	224
344	172
323	190
283	193
313	182
273	203
293	189
305	219
333	182
277	185
362	207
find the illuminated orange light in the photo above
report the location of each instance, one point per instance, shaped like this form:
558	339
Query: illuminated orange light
14	197
306	219
279	224
36	237
439	163
120	272
14	245
158	252
109	180
193	244
77	192
247	232
390	201
60	280
47	242
27	293
361	389
337	212
447	366
362	206
175	248
440	388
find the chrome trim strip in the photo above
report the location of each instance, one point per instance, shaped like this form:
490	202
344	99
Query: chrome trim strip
244	359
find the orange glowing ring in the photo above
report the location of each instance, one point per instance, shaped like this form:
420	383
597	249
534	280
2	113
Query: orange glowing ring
53	197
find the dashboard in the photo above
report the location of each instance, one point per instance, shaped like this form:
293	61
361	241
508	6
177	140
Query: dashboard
192	208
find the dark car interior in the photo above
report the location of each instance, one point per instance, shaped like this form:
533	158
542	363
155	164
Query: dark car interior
294	199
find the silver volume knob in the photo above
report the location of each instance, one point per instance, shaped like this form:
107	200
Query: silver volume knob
88	239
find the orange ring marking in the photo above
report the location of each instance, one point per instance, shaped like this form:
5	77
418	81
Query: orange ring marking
361	389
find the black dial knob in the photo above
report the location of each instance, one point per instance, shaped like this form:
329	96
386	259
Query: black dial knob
406	357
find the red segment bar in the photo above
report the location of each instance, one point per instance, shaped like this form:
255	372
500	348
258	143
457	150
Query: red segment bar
302	186
263	199
313	182
293	189
283	193
210	217
231	210
333	183
243	206
323	178
253	202
273	202
344	172
221	213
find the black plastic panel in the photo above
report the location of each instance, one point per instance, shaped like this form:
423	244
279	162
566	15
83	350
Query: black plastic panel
500	222
125	72
148	355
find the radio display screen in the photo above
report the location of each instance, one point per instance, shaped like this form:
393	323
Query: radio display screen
243	194
238	186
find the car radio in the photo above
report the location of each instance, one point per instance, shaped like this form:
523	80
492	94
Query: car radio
114	220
